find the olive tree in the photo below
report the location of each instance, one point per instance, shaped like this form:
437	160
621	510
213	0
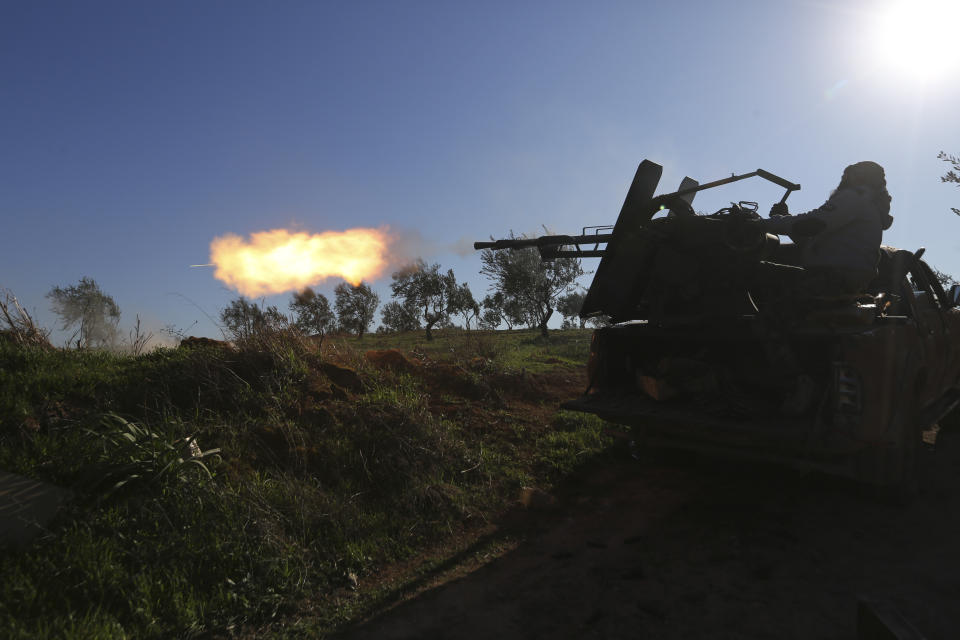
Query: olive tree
497	308
242	319
400	316
85	307
312	313
433	293
953	175
569	307
463	303
355	306
534	285
946	280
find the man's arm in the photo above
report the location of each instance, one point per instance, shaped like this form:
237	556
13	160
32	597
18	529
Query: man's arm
843	207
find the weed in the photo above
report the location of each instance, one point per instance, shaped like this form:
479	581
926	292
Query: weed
132	453
17	325
311	482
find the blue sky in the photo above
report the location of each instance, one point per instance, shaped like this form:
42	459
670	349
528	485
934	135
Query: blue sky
133	133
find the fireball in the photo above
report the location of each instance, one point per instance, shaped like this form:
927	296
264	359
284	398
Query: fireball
280	260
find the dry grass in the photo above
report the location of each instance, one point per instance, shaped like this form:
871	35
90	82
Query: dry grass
18	325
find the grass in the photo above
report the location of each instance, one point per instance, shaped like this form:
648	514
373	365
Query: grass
511	350
230	488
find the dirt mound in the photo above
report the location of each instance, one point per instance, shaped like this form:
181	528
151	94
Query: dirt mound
191	342
391	359
342	377
438	377
554	386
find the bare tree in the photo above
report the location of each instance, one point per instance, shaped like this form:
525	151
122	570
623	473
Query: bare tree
20	327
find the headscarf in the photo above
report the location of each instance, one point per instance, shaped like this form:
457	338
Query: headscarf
870	175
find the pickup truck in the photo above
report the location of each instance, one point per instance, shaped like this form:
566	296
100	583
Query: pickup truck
712	348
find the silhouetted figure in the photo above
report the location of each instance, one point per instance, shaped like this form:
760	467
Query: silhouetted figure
838	244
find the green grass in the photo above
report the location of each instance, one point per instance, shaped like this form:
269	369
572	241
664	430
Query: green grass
218	488
522	349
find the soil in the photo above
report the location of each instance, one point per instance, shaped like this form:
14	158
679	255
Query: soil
685	546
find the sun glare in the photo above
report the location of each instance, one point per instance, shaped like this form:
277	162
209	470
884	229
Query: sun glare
916	40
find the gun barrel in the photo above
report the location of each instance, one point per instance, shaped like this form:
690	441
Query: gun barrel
543	241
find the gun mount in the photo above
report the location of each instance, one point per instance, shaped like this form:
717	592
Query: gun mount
568	246
642	247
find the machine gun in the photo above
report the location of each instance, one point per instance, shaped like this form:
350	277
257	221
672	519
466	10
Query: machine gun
631	246
552	247
567	246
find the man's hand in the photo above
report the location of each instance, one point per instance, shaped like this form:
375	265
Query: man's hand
779	210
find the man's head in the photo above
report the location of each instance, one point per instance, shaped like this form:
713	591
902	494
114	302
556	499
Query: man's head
865	174
870	175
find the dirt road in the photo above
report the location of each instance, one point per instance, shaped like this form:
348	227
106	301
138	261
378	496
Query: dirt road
679	546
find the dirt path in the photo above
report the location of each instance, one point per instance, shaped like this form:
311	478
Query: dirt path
683	547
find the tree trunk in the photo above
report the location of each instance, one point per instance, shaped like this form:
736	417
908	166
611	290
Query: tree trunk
543	324
431	319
